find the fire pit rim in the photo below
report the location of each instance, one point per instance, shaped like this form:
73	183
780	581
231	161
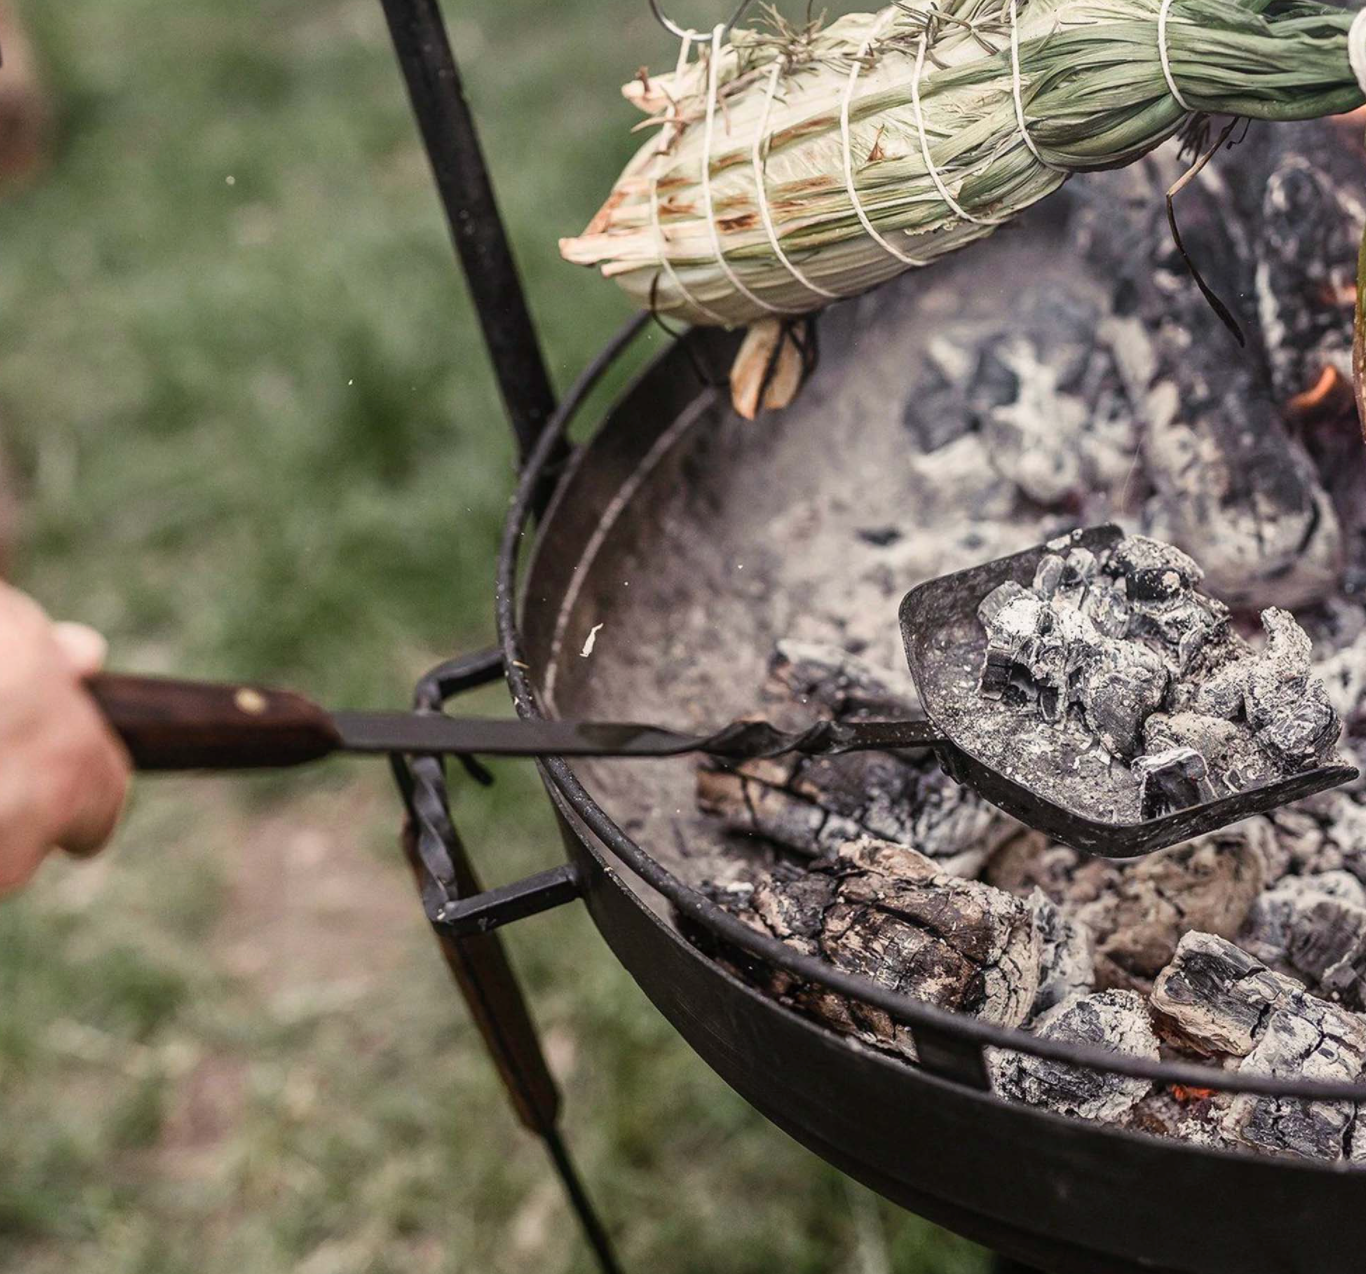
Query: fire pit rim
711	917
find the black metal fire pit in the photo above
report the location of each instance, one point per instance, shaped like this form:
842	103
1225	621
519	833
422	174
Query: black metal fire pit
1057	1193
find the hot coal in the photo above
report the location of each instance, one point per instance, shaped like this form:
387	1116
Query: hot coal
1126	651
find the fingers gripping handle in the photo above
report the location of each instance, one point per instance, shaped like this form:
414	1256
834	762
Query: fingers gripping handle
186	725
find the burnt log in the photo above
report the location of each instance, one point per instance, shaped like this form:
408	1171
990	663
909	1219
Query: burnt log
1214	997
1229	481
1308	1038
890	914
1219	999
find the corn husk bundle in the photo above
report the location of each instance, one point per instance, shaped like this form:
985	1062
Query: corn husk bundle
797	165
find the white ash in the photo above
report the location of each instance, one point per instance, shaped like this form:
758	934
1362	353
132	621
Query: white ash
1127	650
1114	1020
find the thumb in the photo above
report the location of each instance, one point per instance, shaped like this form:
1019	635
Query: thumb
83	647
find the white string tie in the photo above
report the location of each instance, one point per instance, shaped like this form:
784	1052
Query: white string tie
1018	92
666	136
761	193
939	185
707	211
1356	48
891	249
1166	61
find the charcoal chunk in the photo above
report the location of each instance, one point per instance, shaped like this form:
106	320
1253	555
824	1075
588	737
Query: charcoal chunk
1308	1038
1233	761
1120	686
1153	571
1116	1020
1172	780
1344	678
1217	997
1235	487
1066	962
1306	251
1224	1001
1328	945
1282	917
1207	884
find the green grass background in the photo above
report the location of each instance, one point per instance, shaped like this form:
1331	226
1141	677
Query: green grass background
254	435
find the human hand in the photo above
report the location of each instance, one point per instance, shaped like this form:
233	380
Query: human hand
63	774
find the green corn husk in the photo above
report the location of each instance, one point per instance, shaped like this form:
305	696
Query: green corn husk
1093	95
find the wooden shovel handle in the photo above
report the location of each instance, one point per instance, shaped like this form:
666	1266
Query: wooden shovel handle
198	725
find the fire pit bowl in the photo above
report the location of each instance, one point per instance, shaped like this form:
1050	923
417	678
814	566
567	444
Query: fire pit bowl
662	537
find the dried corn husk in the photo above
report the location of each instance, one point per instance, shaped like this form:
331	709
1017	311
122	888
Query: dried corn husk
838	157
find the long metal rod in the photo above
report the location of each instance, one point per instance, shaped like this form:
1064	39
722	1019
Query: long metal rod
462	179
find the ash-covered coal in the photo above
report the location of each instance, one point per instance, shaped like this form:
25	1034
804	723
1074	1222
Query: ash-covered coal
886	912
813	805
1123	657
1216	998
1113	1020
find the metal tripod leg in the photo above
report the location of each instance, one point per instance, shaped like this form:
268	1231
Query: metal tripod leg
480	967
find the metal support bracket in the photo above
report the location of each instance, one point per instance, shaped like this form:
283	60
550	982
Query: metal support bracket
497	907
951	1058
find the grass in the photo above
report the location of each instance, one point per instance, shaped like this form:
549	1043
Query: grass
247	404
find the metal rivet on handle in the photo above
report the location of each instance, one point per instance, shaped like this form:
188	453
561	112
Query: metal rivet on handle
250	701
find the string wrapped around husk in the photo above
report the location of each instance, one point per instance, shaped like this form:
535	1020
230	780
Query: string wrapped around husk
795	166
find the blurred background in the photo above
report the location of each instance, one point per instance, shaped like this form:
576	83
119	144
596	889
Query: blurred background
247	428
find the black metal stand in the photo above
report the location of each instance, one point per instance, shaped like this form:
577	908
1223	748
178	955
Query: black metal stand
462	179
